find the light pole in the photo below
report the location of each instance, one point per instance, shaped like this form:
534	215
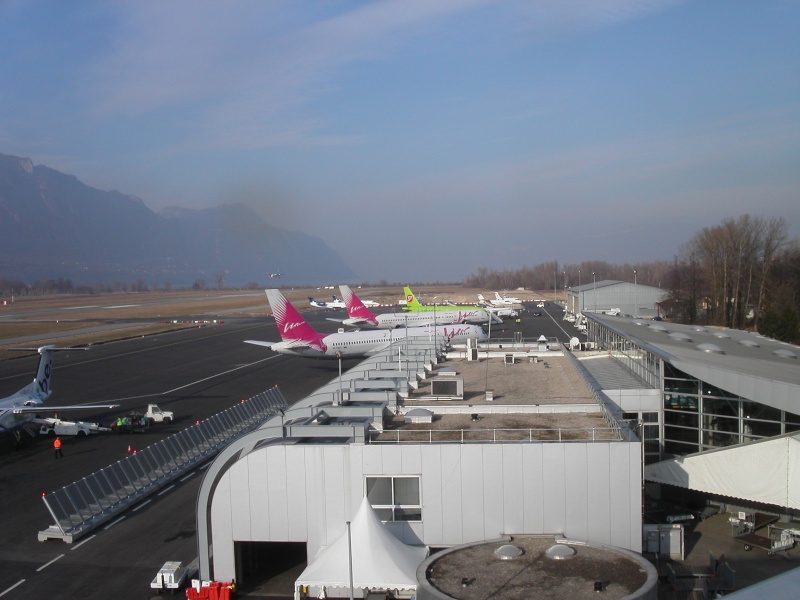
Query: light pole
594	292
635	299
580	291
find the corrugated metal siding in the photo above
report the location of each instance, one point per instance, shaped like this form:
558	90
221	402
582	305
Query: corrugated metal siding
469	492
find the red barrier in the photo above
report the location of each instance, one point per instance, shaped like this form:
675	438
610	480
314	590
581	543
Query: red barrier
214	590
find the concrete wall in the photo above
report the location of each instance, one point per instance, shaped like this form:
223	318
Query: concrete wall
470	492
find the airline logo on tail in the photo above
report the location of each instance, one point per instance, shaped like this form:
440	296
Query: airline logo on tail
355	307
292	326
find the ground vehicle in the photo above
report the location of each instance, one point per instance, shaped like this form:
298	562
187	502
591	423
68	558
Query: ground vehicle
134	422
540	305
55	426
158	415
171	576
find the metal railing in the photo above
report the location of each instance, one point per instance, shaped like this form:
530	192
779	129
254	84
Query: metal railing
493	436
83	505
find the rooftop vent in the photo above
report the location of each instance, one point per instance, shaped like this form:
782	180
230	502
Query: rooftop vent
560	552
658	327
721	335
711	348
508	552
749	343
785	352
679	336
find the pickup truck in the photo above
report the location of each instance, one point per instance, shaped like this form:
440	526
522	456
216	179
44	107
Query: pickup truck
157	415
53	427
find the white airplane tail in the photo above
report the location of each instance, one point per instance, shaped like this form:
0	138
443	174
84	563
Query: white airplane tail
41	384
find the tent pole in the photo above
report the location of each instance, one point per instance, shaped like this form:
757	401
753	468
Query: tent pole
350	557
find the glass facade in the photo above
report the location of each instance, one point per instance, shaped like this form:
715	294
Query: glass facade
697	416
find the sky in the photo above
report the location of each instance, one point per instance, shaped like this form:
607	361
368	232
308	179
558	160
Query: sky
422	140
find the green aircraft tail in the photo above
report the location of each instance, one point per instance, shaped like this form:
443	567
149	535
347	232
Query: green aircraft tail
411	300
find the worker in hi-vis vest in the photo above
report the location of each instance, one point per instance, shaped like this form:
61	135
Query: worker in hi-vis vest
57	447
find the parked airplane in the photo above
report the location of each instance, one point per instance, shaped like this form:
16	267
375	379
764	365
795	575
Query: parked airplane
300	339
335	303
361	316
20	408
414	305
499	300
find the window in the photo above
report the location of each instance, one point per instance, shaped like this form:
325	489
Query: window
395	498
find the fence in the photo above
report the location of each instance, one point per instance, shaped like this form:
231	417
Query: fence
81	506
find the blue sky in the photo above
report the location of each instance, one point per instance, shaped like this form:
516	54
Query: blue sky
422	139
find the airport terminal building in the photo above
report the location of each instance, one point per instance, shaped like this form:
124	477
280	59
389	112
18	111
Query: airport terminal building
441	460
460	447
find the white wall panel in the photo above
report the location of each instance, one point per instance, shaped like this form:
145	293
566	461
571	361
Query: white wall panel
411	459
240	500
512	489
492	517
553	481
533	487
619	479
431	491
298	498
259	495
598	469
577	490
278	505
452	515
472	489
221	533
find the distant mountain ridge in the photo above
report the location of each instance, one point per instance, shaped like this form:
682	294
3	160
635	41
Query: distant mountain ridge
52	225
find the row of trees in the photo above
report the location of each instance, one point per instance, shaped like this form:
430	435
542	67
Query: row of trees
742	273
554	276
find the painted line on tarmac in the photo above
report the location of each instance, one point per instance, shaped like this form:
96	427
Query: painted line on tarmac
110	525
76	546
142	505
166	489
47	564
220	374
185	477
19	583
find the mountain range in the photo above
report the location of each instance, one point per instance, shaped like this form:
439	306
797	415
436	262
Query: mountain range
52	225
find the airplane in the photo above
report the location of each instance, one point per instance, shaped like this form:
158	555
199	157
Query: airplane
414	305
499	300
335	303
360	316
20	408
298	338
275	274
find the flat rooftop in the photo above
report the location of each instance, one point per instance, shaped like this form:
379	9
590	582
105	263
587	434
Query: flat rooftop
545	400
476	571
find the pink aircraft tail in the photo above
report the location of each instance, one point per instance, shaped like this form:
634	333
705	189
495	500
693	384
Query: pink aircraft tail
356	308
291	325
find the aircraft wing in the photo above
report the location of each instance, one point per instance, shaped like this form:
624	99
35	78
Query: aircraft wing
259	343
285	345
43	408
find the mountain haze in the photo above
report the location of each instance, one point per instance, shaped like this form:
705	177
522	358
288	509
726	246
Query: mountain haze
52	225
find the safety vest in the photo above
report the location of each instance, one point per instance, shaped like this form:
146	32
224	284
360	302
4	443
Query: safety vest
57	444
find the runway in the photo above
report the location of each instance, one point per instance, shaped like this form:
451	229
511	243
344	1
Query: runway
195	373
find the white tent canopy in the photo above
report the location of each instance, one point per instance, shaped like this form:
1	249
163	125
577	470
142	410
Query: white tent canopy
380	560
766	471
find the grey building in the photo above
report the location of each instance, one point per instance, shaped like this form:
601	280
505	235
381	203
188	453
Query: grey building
618	297
722	414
